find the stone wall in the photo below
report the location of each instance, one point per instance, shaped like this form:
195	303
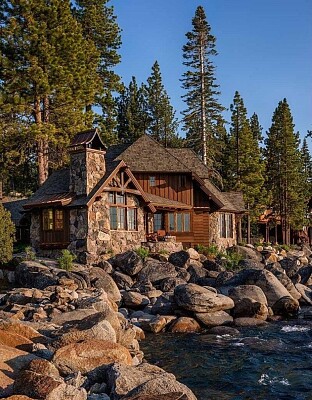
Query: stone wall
86	169
35	230
102	240
222	243
78	232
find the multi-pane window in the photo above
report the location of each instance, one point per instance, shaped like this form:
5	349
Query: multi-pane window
158	221
122	216
152	181
179	222
52	219
226	225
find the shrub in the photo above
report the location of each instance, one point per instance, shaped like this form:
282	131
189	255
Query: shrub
65	261
142	252
232	260
30	255
7	232
208	251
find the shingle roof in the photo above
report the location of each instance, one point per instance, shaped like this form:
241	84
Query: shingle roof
190	159
86	137
15	207
147	155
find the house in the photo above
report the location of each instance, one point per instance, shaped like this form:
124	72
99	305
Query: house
21	220
118	198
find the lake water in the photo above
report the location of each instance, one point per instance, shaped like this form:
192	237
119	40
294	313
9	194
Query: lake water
273	362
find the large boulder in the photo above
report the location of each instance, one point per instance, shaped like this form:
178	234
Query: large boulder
134	299
156	271
32	274
184	325
252	292
215	318
14	340
291	265
250	308
143	380
129	262
179	258
195	298
164	305
123	281
12	361
247	253
102	280
278	271
90	354
197	272
23	329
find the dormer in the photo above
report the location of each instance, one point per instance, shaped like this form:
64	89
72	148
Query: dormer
87	161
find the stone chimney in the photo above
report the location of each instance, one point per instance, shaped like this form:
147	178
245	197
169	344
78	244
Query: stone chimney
87	162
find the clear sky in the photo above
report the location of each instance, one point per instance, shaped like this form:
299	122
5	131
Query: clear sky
264	46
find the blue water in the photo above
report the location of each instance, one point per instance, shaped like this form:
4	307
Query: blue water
273	362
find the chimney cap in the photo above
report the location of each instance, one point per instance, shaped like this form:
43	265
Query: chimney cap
88	139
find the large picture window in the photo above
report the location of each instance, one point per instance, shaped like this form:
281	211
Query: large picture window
179	222
122	216
226	225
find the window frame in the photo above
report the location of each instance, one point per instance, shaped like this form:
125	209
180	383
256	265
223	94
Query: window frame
181	221
120	213
152	181
226	228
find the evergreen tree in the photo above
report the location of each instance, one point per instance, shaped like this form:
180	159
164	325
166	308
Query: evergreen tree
307	168
132	115
48	74
245	167
99	26
256	128
162	122
7	231
203	109
285	177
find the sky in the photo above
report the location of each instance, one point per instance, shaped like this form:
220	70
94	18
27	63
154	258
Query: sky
264	51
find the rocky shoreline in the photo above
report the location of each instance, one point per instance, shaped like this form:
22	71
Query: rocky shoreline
75	334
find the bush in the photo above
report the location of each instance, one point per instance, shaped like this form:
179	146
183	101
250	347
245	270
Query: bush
232	260
208	251
66	260
30	255
142	252
7	232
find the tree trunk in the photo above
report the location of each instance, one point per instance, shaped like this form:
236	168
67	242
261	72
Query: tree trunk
202	100
42	146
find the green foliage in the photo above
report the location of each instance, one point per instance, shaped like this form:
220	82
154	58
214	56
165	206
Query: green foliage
7	231
29	253
286	181
232	260
208	251
142	252
65	261
203	112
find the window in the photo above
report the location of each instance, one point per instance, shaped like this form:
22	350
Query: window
179	222
182	181
158	222
59	220
226	225
48	224
122	217
54	227
53	219
152	181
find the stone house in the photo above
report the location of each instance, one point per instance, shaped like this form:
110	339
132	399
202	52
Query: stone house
110	200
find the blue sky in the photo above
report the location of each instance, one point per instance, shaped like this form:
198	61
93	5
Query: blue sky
264	46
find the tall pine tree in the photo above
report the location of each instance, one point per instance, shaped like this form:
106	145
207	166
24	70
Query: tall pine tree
162	122
203	109
245	167
48	74
285	177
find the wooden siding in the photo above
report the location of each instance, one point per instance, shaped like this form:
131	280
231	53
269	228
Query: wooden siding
168	186
201	227
55	238
200	198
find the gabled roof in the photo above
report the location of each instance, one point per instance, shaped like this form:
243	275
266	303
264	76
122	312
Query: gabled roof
15	207
162	202
147	155
87	137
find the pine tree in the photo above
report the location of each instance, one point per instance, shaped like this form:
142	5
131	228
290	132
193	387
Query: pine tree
307	168
132	115
99	25
245	167
285	177
162	122
203	109
48	73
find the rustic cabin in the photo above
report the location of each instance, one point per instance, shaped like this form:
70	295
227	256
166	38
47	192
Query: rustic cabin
111	200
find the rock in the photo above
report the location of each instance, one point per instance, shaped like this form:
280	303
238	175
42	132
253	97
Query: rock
224	278
247	253
224	330
12	361
196	273
105	266
250	264
123	281
101	280
249	322
134	381
199	299
166	396
306	294
67	392
291	265
250	308
164	305
214	318
183	274
169	284
35	385
306	275
212	265
94	326
43	367
155	271
87	355
252	292
32	274
76	315
179	258
134	300
285	306
129	262
194	255
160	386
14	340
19	397
184	325
156	324
278	271
24	330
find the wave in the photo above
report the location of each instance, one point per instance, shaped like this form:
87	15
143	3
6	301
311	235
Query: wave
295	328
266	380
